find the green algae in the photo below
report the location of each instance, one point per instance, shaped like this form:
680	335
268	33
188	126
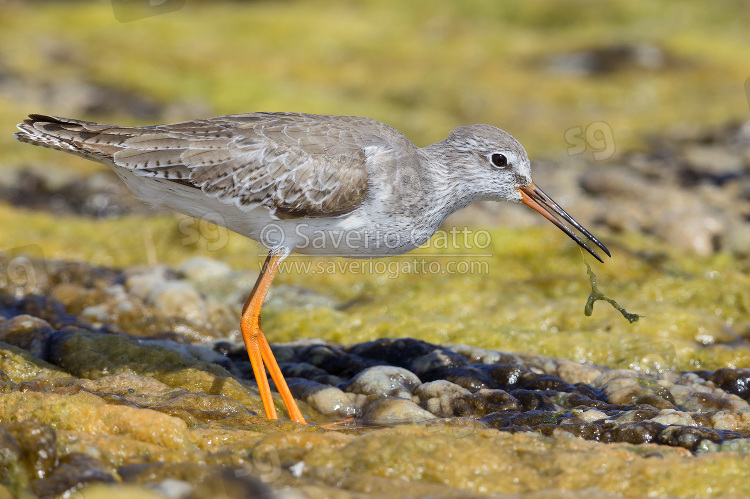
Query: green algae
597	295
19	365
496	462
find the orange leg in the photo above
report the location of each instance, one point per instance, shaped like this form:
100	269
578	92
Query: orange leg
258	349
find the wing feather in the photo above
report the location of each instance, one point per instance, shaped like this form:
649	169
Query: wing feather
296	165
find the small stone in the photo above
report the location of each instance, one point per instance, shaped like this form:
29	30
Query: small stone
435	360
669	417
393	351
37	440
178	299
734	381
438	396
729	421
632	390
713	161
390	410
389	381
706	402
446	399
468	377
140	281
533	401
696	231
201	268
74	470
690	437
542	382
592	415
326	399
27	332
505	375
637	433
526	419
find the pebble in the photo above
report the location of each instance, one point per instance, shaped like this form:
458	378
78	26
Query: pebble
386	381
389	410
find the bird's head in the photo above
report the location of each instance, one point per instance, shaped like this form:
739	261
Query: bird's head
494	166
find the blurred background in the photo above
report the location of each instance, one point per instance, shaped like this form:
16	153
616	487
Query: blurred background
633	113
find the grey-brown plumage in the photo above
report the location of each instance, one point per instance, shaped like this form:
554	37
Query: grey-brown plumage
283	161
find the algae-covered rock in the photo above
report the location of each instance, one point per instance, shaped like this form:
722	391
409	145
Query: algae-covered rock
20	365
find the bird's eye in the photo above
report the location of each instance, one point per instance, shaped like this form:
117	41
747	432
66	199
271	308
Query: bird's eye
499	159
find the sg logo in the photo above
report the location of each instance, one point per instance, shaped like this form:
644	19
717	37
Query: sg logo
597	136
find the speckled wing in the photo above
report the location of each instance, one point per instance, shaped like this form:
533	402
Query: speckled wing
296	165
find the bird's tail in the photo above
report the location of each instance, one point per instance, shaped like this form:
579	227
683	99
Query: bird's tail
84	138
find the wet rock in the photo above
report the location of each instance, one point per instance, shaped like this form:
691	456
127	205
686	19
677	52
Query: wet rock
12	473
158	472
74	471
466	377
533	401
712	161
477	355
542	382
201	269
635	416
446	399
85	412
37	443
231	483
592	415
18	365
391	410
505	375
27	332
521	421
669	417
310	372
48	309
739	423
484	402
326	399
636	390
457	427
734	381
93	355
178	299
702	401
699	232
690	437
637	433
396	352
384	380
438	397
435	360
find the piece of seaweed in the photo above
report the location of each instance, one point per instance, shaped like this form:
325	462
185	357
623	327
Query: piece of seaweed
596	295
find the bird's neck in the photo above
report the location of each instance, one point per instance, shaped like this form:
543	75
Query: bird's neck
448	188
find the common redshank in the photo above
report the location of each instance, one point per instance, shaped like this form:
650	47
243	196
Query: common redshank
311	184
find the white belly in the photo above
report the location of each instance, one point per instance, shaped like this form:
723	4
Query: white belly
368	232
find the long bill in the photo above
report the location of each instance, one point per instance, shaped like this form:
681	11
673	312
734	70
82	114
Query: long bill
535	198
